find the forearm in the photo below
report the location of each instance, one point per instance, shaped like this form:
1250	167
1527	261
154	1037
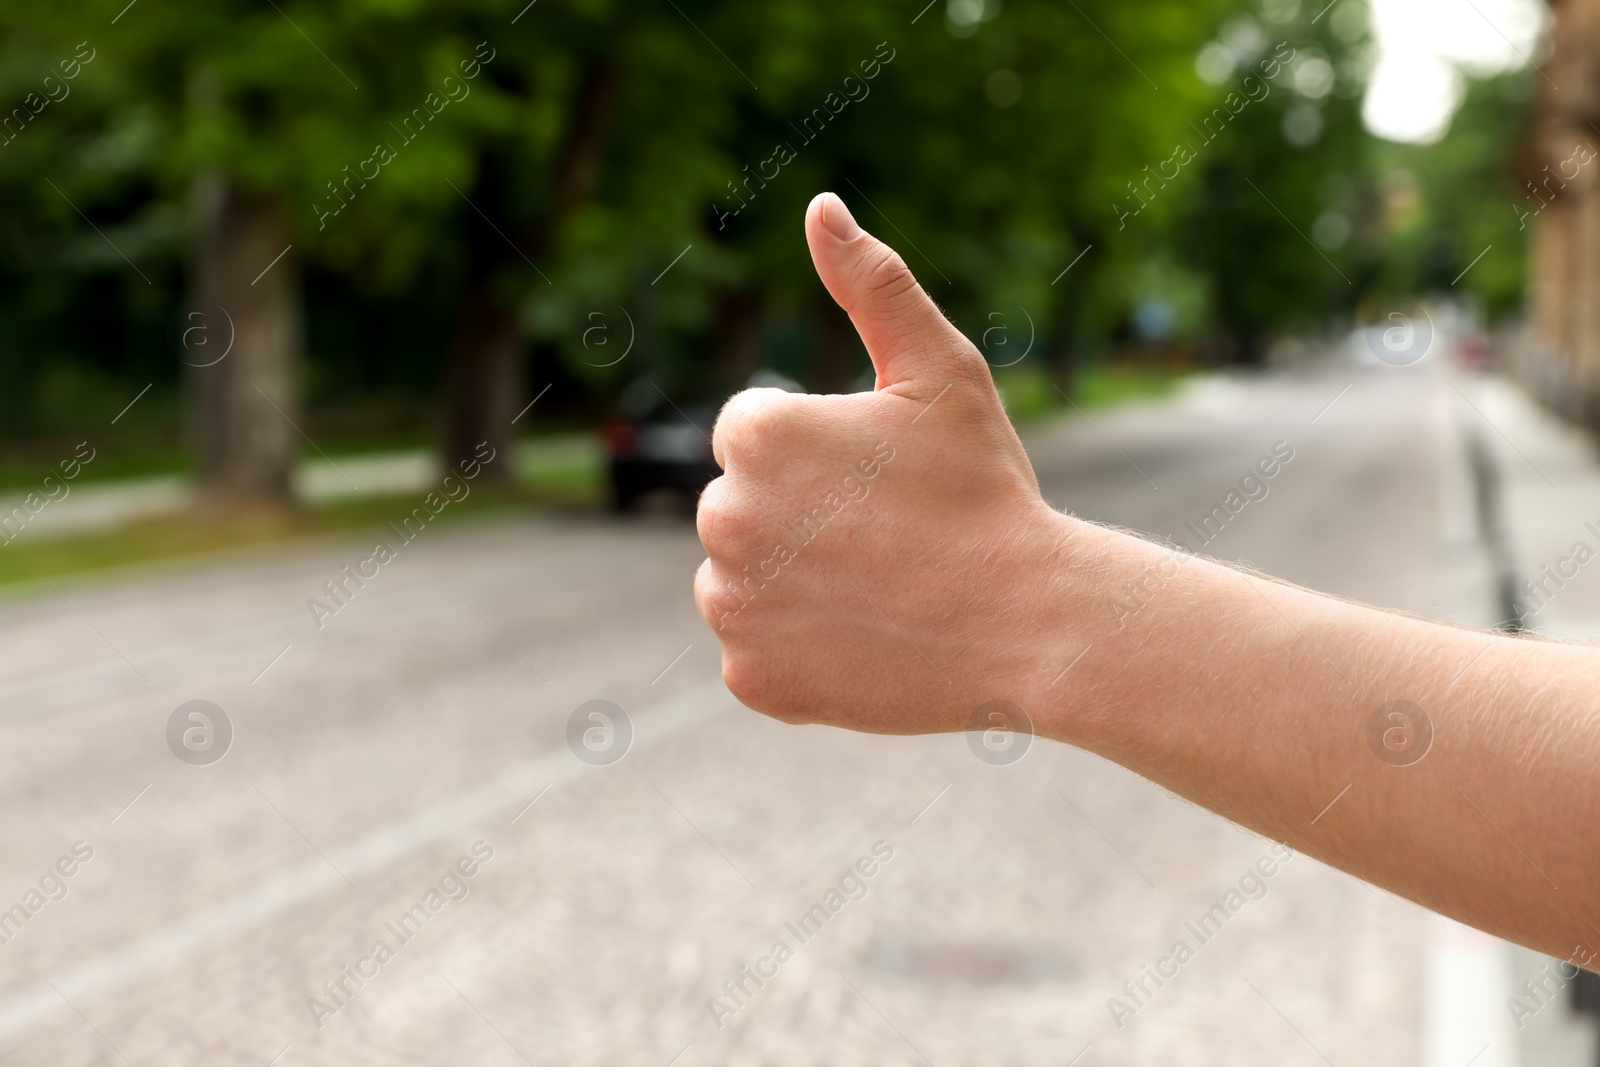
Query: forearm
1253	698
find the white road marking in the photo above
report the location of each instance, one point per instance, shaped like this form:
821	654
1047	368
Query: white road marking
1469	978
168	945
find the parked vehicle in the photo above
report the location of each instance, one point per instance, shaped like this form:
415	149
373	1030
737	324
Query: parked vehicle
654	443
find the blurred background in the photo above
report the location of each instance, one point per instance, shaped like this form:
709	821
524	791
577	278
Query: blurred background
356	365
401	263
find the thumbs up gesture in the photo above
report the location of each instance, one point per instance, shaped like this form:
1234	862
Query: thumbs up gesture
881	561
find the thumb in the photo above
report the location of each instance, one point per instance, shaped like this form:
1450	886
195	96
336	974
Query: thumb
914	348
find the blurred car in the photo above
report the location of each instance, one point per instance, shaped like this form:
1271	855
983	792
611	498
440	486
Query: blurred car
654	443
1475	352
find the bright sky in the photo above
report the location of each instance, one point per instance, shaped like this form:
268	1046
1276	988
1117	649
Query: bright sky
1423	48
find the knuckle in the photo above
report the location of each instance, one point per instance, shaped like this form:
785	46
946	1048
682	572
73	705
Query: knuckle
760	426
716	601
967	362
725	526
751	422
710	513
746	681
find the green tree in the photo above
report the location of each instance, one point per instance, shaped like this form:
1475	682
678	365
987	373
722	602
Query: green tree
1275	227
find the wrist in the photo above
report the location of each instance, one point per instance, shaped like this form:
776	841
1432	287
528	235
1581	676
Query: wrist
1116	613
1068	615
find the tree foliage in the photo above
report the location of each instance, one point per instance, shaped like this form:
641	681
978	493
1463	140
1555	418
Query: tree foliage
472	189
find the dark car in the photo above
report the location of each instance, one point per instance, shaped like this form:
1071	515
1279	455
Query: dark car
655	443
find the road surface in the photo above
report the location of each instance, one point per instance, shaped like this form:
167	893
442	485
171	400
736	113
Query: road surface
232	912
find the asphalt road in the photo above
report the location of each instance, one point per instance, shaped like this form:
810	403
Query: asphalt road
425	725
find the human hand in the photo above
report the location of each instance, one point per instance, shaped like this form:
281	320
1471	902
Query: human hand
881	561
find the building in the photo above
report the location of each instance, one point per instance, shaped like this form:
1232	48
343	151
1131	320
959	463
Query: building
1559	356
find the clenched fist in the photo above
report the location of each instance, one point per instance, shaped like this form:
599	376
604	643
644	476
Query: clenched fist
881	561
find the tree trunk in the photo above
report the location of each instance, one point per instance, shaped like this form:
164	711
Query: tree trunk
485	375
737	336
485	387
1072	304
244	400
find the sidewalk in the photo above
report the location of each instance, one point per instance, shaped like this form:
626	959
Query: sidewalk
98	506
1549	475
